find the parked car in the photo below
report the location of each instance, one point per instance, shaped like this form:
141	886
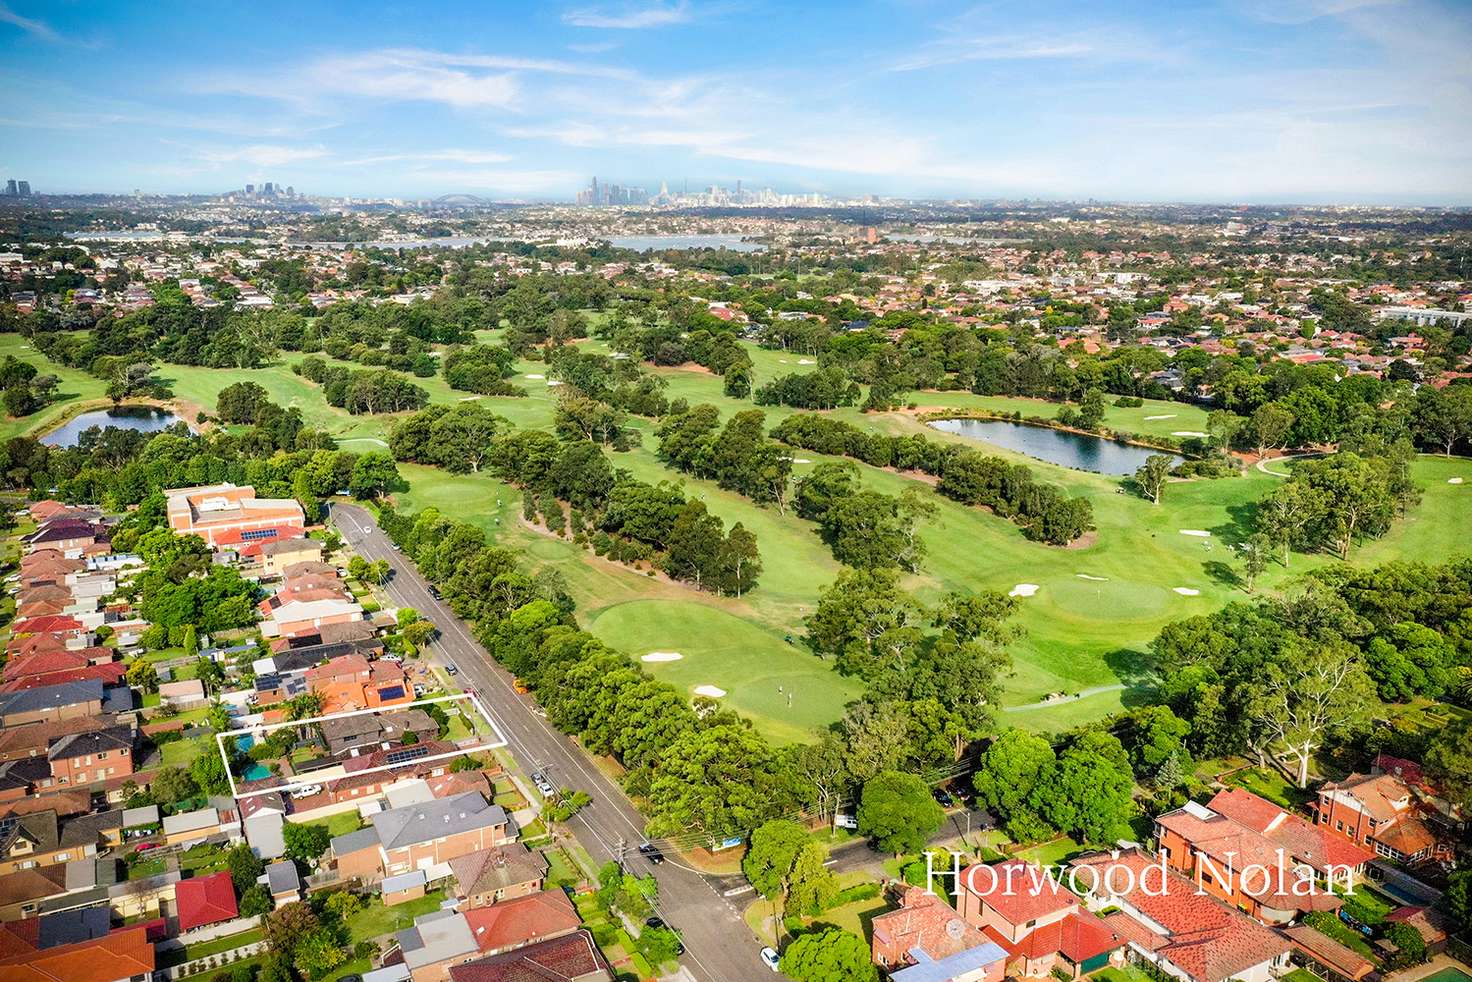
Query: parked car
771	959
452	669
944	798
651	852
654	922
145	846
543	785
434	591
520	687
845	821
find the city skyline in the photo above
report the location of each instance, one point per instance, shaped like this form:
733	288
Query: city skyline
1311	101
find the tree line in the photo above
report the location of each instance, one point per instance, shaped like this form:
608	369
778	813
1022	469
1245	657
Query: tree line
969	476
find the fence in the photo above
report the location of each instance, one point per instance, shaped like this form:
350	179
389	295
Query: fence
204	967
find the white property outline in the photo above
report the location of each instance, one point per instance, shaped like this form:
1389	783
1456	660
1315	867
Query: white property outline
306	782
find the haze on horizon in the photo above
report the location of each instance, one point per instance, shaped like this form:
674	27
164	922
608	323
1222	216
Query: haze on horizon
1266	101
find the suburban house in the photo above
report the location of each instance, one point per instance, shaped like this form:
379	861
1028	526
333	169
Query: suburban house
925	930
278	554
1330	958
1184	932
43	839
1035	919
349	733
125	955
91	757
489	876
288	618
1214	843
1379	812
353	682
205	900
421	835
572	958
227	516
445	938
49	703
282	881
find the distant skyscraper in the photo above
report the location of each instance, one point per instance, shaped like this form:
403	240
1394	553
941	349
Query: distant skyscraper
25	189
10	189
250	189
268	188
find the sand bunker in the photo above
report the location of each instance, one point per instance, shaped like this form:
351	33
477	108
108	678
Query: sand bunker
1189	433
801	460
1199	533
1186	591
1166	416
536	376
662	656
551	382
1454	480
1096	579
806	361
714	692
1023	590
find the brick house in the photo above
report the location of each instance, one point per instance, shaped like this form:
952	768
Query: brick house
1379	812
1035	920
420	835
1213	844
87	758
490	876
924	929
1165	920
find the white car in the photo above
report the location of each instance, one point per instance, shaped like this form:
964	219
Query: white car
771	959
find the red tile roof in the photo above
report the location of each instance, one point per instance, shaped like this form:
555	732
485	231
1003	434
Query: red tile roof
1019	891
562	960
205	900
119	955
1328	952
523	920
1204	938
925	921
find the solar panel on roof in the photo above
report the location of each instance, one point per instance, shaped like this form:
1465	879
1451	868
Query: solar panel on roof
406	754
392	692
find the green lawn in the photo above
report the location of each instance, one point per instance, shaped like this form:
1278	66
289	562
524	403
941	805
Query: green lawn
376	920
76	387
340	824
1272	785
180	753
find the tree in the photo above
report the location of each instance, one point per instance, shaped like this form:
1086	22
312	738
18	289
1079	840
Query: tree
1309	695
1459	899
208	771
317	952
1255	553
1449	764
833	956
244	867
770	858
1153	474
865	620
142	675
373	474
1005	778
1410	945
1088	791
285	926
305	842
254	901
897	811
813	886
1268	427
172	785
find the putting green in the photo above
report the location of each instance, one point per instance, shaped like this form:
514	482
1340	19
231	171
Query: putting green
787	692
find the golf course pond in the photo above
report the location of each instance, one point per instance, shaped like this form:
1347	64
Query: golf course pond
1077	450
145	419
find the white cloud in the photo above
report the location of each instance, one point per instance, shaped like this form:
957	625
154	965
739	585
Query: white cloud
555	182
629	17
35	28
259	155
432	156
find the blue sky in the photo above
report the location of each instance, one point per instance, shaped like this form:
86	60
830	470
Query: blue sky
1233	101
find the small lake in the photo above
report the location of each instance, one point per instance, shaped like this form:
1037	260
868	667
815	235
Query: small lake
144	419
1076	450
649	243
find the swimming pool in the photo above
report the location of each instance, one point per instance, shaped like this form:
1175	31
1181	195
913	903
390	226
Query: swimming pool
1448	974
256	772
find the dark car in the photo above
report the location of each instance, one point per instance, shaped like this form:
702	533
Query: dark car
434	591
651	853
655	922
944	797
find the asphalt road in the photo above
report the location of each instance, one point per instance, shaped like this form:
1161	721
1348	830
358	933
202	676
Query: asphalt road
719	947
